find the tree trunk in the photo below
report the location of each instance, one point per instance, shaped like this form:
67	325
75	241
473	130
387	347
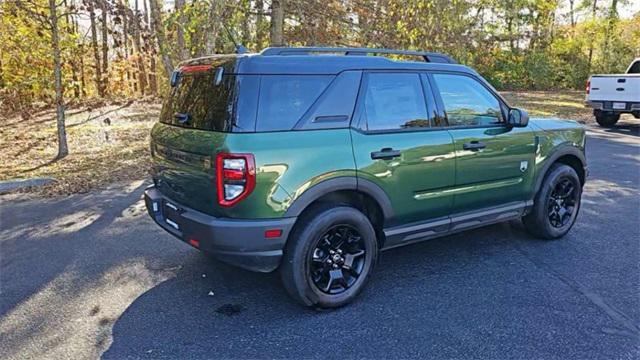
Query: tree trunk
182	50
146	12
63	150
83	85
74	64
1	73
211	36
593	17
259	24
105	46
572	16
277	23
153	78
156	24
246	10
96	52
137	47
611	20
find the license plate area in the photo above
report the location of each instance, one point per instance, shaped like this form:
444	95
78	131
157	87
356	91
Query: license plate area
172	215
619	105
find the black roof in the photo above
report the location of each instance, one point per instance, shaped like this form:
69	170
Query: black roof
329	61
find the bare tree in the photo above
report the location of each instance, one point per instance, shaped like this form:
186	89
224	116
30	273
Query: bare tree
137	47
259	23
94	46
105	46
277	23
182	50
51	22
158	28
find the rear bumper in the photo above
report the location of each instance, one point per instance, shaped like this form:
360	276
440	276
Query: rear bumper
607	106
238	242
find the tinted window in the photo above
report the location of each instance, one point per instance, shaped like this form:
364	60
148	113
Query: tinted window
196	102
635	68
394	101
467	102
284	99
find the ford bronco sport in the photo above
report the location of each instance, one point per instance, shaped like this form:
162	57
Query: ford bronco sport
312	160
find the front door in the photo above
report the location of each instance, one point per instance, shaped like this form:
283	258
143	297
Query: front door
399	146
494	162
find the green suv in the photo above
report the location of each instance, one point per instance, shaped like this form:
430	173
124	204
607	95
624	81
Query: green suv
313	160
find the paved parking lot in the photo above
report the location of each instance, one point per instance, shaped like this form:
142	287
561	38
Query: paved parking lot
91	275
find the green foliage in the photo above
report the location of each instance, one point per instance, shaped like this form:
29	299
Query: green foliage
516	44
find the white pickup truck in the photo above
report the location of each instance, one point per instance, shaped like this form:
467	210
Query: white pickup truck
615	94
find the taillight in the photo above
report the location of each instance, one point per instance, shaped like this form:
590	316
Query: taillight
235	177
588	86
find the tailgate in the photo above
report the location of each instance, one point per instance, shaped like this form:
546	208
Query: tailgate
623	88
184	165
195	120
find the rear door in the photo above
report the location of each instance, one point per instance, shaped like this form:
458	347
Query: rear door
494	162
399	145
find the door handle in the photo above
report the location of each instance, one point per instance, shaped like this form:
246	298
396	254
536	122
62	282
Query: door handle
385	154
474	146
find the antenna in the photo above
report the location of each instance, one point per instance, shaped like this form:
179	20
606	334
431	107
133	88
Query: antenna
240	49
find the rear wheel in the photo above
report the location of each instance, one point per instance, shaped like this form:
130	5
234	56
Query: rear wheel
329	257
556	205
606	119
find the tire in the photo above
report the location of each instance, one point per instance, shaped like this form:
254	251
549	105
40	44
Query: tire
607	119
547	220
308	266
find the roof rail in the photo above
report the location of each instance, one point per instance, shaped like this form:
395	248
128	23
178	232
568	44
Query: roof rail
427	56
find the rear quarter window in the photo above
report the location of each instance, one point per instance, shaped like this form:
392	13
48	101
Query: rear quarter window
284	99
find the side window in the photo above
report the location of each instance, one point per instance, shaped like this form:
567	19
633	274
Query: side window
467	102
394	101
634	68
285	98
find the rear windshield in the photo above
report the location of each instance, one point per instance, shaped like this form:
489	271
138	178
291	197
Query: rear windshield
197	102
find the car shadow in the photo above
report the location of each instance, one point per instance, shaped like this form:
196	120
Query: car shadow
477	292
628	127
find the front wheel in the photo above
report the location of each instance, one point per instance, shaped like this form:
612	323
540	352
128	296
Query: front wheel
556	205
329	257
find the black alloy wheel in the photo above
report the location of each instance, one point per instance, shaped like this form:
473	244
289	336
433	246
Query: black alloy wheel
337	259
329	256
562	203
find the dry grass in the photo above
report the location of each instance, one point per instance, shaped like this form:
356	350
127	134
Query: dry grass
101	154
564	104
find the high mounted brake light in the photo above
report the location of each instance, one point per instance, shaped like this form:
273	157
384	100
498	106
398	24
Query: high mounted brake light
235	177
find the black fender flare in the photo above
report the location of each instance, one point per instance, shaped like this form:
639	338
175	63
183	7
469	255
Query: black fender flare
341	183
551	159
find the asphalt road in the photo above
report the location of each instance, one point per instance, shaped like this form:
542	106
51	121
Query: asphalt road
91	275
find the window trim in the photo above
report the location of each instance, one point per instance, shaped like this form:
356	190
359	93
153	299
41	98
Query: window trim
360	124
504	106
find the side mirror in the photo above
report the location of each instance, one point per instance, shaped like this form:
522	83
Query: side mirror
518	118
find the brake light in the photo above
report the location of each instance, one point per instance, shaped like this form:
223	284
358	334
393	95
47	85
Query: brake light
588	86
235	177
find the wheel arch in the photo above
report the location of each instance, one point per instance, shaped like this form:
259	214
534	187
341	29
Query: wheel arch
568	155
362	194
